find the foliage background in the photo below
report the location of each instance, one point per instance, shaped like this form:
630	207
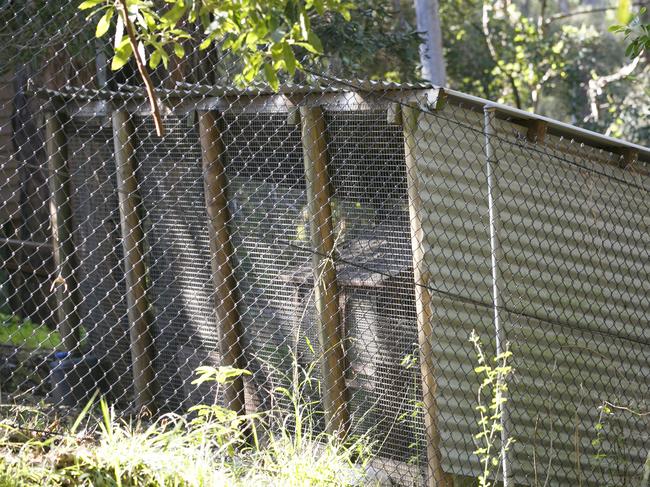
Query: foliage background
556	58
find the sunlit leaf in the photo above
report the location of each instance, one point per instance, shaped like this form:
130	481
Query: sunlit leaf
174	14
88	4
154	59
123	53
179	50
623	11
289	58
104	23
315	41
271	77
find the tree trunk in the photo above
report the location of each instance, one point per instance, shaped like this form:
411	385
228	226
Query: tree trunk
428	25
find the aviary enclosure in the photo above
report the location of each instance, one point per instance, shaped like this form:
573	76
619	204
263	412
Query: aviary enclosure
367	228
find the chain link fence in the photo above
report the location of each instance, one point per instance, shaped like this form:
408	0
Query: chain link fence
355	232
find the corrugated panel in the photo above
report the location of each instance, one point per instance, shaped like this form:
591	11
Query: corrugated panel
575	290
575	240
451	181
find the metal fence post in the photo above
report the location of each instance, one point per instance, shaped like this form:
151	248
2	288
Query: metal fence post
436	477
326	292
139	310
226	294
496	257
64	251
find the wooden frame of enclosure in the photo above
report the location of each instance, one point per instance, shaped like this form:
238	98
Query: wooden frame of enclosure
87	103
305	105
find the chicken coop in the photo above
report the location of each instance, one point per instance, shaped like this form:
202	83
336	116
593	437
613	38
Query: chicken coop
445	214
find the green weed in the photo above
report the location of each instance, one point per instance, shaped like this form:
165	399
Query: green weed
206	448
14	331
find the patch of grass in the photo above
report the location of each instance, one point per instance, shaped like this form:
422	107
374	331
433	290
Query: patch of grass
14	331
204	449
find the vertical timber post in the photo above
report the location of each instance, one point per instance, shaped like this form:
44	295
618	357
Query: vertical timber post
139	310
226	294
436	476
65	255
326	292
496	257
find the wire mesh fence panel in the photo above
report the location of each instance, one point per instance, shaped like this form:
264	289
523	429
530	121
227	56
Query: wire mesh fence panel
339	240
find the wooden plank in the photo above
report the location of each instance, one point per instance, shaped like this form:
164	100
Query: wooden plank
628	157
139	309
536	131
226	295
326	292
61	215
394	114
436	477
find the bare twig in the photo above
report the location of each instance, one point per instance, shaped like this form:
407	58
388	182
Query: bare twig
585	11
626	409
153	101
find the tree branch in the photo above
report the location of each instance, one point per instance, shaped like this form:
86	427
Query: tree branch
595	86
585	11
153	101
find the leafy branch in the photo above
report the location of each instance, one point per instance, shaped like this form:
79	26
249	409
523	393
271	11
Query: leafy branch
637	32
269	36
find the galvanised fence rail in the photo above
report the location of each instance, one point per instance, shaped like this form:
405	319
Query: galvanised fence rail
364	228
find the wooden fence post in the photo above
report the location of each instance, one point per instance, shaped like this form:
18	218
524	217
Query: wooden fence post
326	293
226	294
436	476
64	251
139	310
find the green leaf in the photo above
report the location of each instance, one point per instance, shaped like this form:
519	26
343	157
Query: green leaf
87	4
104	23
319	6
83	413
305	26
174	14
249	73
206	43
623	12
309	345
154	59
123	53
165	58
271	77
307	46
179	50
289	58
314	40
